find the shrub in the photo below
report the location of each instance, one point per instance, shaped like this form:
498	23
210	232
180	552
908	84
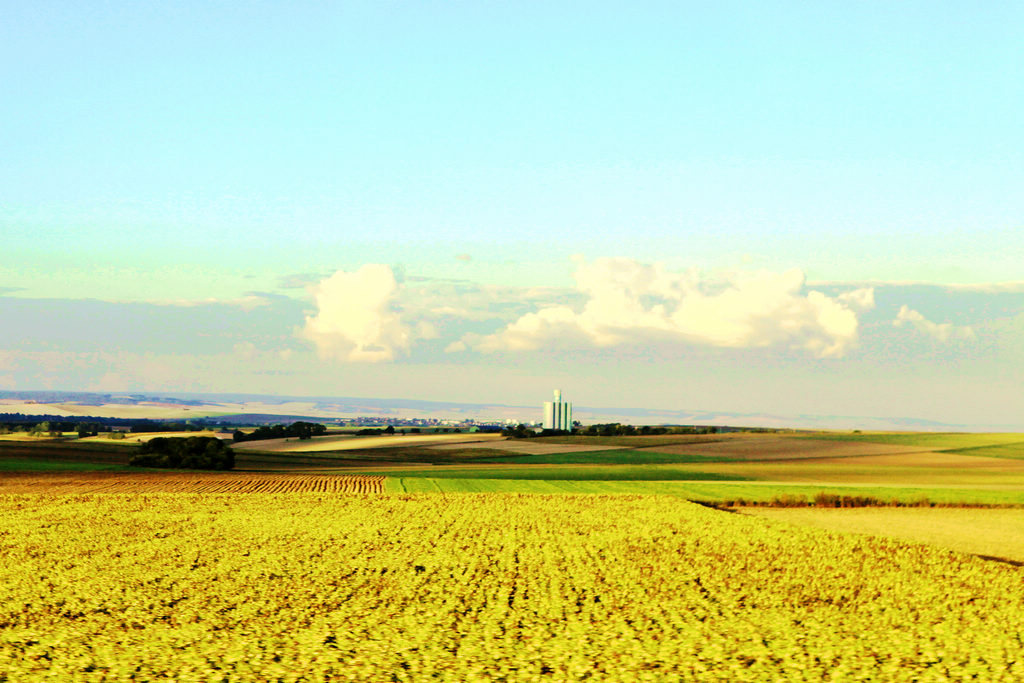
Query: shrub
192	453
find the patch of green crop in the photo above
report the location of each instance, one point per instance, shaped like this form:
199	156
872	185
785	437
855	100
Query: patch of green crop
34	465
1014	451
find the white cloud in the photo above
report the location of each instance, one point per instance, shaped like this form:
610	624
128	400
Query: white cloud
944	332
627	302
356	318
860	300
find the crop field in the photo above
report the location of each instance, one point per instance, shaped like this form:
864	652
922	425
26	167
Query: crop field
199	482
539	446
989	533
766	448
709	491
568	472
135	438
645	440
926	469
607	455
1005	445
1007	450
937	440
15	464
311	586
340	442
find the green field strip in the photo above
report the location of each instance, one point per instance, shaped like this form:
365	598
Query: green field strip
1013	451
39	465
421	486
568	472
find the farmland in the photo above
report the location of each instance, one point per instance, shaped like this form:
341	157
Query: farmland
558	558
344	442
303	586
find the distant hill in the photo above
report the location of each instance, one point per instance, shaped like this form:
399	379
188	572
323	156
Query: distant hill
235	407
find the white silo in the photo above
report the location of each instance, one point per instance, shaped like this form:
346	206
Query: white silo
558	413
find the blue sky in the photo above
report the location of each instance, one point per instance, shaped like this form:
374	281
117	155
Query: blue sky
213	162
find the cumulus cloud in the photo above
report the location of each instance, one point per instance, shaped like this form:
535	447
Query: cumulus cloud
627	302
943	332
357	317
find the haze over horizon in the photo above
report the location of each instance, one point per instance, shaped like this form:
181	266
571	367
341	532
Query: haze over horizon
748	208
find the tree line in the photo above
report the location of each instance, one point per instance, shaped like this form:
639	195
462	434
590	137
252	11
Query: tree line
301	430
521	431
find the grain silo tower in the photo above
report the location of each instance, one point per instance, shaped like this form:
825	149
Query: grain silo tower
558	414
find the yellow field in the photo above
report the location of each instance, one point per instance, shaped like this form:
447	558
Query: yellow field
992	533
344	442
135	438
24	436
290	587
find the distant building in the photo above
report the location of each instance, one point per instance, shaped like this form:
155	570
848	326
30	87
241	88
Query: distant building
558	414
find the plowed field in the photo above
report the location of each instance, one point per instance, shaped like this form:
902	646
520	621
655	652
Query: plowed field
146	482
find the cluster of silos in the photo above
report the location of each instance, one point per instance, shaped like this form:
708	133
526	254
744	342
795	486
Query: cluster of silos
558	414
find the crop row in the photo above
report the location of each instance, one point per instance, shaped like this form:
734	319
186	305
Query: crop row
104	482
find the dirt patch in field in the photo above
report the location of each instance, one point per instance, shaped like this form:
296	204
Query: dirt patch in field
782	448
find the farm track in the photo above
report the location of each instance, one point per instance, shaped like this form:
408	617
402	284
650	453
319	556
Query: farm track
111	482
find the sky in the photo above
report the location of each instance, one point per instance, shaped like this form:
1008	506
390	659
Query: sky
774	207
